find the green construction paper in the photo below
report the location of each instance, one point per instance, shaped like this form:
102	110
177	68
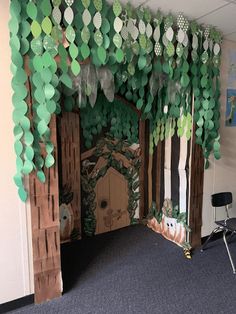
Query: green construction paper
39	95
105	28
28	167
22	194
184	80
75	67
170	49
46	75
49	148
18	180
66	80
51	106
98	38
117	40
21	76
70	33
217	155
47	59
14	44
142	61
42	127
139	104
36	29
29	153
17	59
28	138
101	52
19	164
32	10
49	91
97	4
18	132
73	50
37	46
49	161
38	63
85	35
18	147
143	41
117	9
41	176
24	46
46	7
15	8
25	123
119	55
47	25
85	51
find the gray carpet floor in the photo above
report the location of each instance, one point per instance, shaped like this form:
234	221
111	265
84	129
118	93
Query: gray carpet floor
135	270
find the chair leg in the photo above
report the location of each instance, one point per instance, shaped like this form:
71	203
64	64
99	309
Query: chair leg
228	251
208	239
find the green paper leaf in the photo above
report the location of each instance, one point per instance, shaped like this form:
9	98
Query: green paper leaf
117	9
85	51
49	161
139	104
36	29
49	91
101	52
29	153
18	180
18	148
41	176
38	63
51	106
22	194
66	80
29	138
18	132
46	7
119	55
42	127
47	25
32	10
37	46
28	167
75	67
142	61
73	50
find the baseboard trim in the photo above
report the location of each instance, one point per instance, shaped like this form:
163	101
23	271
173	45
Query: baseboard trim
218	235
16	304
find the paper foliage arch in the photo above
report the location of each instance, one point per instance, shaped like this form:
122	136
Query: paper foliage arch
160	63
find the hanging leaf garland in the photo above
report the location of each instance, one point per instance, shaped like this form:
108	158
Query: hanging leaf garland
22	123
151	58
85	33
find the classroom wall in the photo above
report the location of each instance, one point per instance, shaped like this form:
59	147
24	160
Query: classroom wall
15	239
222	174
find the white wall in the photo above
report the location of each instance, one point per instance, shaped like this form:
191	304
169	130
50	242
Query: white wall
15	249
222	174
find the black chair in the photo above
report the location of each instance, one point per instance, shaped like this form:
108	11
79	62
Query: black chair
227	226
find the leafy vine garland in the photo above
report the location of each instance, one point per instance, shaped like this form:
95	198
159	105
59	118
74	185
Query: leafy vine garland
158	62
106	148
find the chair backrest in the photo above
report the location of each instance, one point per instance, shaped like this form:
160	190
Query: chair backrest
221	199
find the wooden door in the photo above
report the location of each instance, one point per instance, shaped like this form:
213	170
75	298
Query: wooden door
112	202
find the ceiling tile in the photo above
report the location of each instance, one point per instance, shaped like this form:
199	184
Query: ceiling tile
191	8
231	36
135	3
224	19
